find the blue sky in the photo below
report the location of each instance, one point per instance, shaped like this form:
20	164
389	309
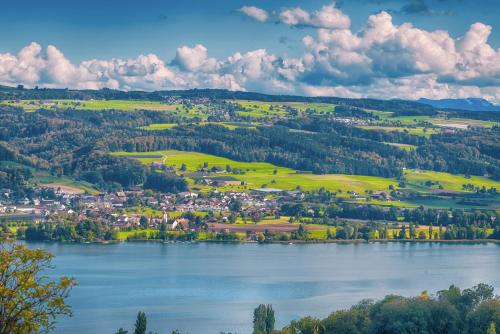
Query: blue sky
104	30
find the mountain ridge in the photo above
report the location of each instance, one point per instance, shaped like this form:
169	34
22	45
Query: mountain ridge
470	104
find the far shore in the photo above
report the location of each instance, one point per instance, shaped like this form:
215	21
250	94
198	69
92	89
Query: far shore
290	242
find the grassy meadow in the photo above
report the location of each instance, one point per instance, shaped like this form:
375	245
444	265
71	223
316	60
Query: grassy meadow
450	182
260	109
259	174
262	174
406	147
417	131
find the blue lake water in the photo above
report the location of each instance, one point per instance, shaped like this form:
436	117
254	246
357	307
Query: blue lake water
211	287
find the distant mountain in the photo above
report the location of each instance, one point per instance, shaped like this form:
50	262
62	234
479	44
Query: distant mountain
472	104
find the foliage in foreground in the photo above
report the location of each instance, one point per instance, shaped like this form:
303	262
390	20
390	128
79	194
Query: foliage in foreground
471	311
140	326
29	301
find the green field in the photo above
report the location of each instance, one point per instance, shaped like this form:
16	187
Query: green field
124	105
260	109
159	126
450	182
408	120
261	174
123	235
406	147
228	125
417	131
44	178
258	174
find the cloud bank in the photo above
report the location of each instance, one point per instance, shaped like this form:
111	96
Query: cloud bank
382	60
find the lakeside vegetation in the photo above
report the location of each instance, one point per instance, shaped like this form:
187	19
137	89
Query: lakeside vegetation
301	227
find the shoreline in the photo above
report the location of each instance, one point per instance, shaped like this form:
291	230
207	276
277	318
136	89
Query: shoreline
291	242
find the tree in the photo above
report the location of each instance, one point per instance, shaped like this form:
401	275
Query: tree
121	331
163	231
492	329
165	182
263	319
140	323
412	231
29	301
143	221
356	320
402	233
481	319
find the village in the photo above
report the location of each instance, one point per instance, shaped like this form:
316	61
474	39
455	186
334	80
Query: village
128	209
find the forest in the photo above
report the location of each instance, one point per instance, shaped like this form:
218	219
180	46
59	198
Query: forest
47	140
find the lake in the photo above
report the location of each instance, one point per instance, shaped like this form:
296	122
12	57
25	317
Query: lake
213	287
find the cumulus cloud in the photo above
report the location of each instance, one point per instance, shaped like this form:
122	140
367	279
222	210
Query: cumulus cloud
256	13
328	17
382	60
191	68
385	51
195	59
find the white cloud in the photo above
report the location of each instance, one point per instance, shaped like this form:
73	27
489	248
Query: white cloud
195	59
328	17
382	60
386	55
256	13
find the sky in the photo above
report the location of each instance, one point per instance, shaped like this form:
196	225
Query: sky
350	48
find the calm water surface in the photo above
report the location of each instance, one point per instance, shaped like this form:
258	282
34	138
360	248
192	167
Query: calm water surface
209	287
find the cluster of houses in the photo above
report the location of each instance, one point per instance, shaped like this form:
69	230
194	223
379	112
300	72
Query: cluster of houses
119	209
35	208
135	221
350	121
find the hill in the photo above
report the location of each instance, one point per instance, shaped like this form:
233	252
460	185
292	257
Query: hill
471	104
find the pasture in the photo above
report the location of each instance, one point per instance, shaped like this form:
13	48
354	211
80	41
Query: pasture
159	126
64	183
450	182
406	147
417	131
257	175
260	109
262	174
102	105
125	105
